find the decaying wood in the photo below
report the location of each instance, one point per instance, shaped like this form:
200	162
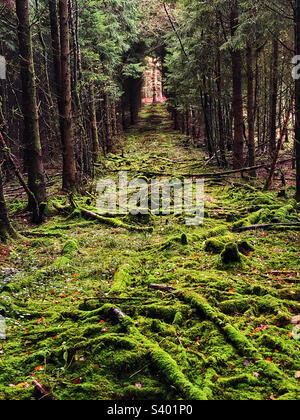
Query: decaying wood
208	175
41	393
161	287
104	220
266	226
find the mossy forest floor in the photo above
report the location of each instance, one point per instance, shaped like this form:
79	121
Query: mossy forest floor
228	330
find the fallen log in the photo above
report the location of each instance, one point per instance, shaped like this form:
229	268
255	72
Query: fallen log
104	220
161	287
114	222
266	226
205	175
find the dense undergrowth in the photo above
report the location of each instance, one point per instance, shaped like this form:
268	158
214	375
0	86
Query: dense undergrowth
223	331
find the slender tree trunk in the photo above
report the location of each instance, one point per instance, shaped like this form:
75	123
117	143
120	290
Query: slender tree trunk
69	165
297	102
273	99
31	136
237	99
6	229
55	49
250	109
108	123
95	136
220	113
154	82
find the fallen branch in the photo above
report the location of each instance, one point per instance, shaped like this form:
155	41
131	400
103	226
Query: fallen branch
39	209
41	393
266	226
161	287
104	220
113	222
207	175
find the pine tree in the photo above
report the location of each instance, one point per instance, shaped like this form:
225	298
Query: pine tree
31	135
69	165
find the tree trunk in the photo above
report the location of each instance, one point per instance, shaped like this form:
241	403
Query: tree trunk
250	109
6	230
223	161
154	82
31	136
273	99
237	97
297	103
95	136
69	165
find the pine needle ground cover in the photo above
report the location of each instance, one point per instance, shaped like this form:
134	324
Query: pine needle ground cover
83	320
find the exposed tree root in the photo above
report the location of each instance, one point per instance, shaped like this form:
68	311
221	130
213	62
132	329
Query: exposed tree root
104	220
162	361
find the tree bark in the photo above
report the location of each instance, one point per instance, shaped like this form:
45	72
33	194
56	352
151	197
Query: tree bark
69	165
297	102
237	97
31	136
250	109
223	161
6	229
273	99
95	136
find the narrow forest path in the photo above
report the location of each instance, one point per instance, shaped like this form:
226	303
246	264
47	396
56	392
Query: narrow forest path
83	321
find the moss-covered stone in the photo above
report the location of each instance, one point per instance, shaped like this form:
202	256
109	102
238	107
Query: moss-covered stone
214	245
231	254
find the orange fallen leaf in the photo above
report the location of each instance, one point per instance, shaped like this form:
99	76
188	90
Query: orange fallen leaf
23	385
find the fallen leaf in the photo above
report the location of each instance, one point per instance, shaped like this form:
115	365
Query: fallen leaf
23	385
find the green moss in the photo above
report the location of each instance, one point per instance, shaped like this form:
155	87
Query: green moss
61	263
70	248
231	254
121	280
209	339
214	245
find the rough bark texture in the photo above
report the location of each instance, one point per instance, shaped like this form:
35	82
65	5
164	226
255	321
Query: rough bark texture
31	136
94	128
223	161
237	97
273	99
250	109
297	104
55	49
6	230
69	166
